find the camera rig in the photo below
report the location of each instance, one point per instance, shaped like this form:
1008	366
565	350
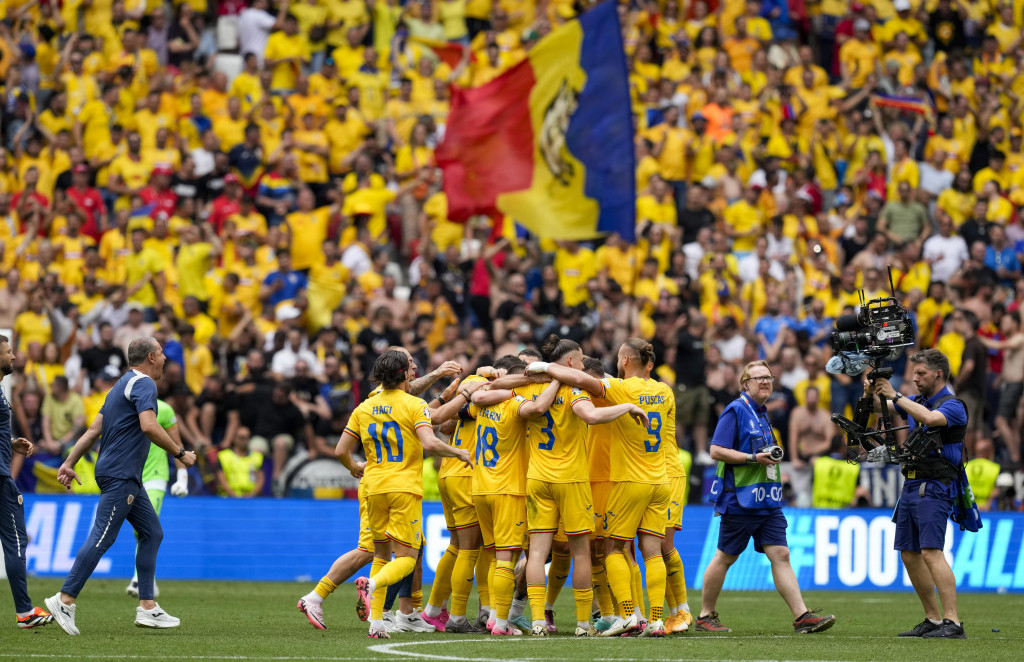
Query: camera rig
880	331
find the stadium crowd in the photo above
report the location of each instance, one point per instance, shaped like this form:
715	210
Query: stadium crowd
254	185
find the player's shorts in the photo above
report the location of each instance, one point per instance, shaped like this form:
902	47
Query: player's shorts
677	490
396	516
457	502
736	530
502	520
637	508
600	492
921	517
365	533
547	503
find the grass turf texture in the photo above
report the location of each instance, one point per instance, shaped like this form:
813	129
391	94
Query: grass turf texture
258	621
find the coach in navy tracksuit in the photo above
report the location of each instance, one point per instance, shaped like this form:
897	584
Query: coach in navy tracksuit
128	423
12	510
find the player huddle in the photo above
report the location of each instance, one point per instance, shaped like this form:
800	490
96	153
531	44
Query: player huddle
551	458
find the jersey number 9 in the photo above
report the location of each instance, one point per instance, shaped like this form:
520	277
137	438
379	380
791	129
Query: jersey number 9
653	431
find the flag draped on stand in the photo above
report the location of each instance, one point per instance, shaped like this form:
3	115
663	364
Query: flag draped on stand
550	141
908	104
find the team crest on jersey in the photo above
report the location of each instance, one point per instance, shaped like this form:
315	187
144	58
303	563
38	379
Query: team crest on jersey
131	499
576	391
21	500
426	412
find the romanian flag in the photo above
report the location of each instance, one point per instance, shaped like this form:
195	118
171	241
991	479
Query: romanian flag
550	141
907	104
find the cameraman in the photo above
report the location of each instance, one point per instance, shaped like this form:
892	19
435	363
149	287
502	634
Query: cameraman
748	495
929	491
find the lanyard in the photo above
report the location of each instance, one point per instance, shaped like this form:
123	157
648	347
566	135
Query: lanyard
768	435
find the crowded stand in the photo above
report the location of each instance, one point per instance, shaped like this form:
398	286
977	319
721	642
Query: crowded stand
254	185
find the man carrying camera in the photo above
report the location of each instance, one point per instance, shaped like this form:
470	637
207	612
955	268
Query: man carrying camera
748	496
929	490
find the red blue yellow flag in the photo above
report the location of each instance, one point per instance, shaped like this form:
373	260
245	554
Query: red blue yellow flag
550	141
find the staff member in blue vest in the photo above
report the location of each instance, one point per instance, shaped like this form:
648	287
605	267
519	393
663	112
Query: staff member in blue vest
13	536
747	494
128	423
929	492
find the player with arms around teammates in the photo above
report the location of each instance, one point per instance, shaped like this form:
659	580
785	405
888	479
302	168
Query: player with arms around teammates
394	428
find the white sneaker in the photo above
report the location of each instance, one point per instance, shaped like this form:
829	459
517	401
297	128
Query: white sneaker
62	613
389	621
654	629
622	626
412	623
155	618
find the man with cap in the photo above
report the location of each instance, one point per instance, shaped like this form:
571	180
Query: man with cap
905	22
859	56
159	194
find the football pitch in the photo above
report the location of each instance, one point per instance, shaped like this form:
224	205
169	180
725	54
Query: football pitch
258	621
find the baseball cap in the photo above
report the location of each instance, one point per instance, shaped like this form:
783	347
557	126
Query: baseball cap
80	168
856	6
163	169
698	116
861	25
901	5
231	178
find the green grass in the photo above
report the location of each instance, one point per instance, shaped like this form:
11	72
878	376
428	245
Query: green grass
223	621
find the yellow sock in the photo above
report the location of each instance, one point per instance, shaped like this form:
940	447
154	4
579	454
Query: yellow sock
584	601
637	588
325	587
483	576
558	572
670	596
535	592
503	586
442	587
392	573
656	585
602	590
620	580
676	578
417	599
462	580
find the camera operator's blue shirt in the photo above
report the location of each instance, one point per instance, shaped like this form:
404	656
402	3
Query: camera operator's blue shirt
955	414
739	429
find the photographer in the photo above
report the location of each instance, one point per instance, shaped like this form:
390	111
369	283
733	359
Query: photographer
929	491
748	496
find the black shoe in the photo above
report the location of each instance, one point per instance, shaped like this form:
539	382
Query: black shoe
811	622
921	629
948	630
462	628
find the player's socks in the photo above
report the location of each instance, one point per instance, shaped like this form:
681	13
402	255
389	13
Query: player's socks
670	596
685	607
502	588
442	587
601	589
322	591
536	595
558	572
517	608
417	599
637	586
483	577
393	572
462	580
655	585
584	600
675	579
620	579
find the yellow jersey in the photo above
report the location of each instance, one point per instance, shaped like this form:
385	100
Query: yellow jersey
464	436
638	455
598	447
386	425
558	439
502	452
673	463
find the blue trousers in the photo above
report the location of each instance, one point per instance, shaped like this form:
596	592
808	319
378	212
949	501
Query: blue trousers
14	539
120	500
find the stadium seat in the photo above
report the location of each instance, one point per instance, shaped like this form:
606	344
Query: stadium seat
227	34
230	64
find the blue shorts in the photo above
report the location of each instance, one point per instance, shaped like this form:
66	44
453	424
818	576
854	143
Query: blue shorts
736	530
921	519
